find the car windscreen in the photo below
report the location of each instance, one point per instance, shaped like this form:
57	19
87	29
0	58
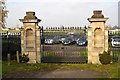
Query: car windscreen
116	40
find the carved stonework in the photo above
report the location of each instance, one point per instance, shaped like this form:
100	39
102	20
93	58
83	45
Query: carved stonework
97	37
30	15
30	37
97	14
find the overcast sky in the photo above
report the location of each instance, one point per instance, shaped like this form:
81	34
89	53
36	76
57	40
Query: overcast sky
61	12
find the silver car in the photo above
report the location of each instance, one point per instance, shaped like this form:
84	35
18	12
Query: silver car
116	42
48	41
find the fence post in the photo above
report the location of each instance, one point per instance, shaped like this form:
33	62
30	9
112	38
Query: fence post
119	61
17	55
111	54
8	58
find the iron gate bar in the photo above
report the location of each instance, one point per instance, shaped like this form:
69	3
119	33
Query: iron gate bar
63	54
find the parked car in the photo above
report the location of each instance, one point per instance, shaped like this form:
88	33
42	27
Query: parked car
52	40
56	39
81	42
63	37
67	41
62	40
48	41
116	42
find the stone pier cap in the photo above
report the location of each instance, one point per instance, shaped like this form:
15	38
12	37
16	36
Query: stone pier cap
97	17
30	17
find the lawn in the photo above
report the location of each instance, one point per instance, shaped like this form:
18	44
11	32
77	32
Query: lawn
111	69
0	67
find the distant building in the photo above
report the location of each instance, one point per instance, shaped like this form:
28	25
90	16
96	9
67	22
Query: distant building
114	32
65	29
10	31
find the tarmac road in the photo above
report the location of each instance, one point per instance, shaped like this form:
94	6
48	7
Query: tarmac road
74	73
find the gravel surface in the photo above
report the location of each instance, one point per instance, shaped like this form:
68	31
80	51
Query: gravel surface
76	73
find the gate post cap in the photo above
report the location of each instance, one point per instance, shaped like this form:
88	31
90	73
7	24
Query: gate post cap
97	14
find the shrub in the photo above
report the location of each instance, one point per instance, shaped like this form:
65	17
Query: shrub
105	58
24	58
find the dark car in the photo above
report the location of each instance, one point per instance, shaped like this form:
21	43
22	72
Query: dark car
81	42
56	39
67	41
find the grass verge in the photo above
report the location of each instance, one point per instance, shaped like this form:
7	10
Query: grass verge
111	69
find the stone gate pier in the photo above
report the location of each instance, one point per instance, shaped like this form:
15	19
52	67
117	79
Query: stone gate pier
30	37
97	37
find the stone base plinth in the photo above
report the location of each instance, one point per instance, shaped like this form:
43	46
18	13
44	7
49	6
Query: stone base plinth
31	61
93	58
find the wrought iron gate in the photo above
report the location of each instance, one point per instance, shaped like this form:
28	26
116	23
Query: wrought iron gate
60	53
63	54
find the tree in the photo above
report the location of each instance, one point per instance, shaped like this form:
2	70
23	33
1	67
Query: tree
3	13
116	27
85	29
